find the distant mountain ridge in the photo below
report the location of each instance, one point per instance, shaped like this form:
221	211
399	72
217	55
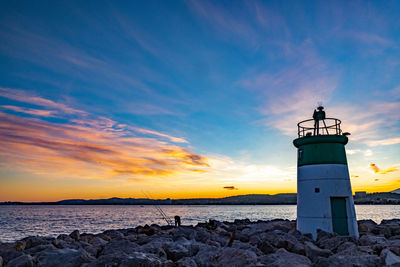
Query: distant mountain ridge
397	191
251	199
285	198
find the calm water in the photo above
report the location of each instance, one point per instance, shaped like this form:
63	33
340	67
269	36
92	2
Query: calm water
17	222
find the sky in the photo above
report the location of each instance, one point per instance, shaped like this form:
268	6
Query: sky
187	99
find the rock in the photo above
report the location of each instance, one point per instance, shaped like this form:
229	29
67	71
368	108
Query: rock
8	252
366	225
86	237
368	240
64	257
382	230
168	263
201	235
345	246
233	257
1	261
266	247
155	248
350	261
177	250
204	256
148	230
391	221
65	238
20	245
118	246
103	236
389	258
284	258
334	242
186	262
39	248
33	241
113	235
107	260
140	259
75	235
98	242
322	235
313	252
21	261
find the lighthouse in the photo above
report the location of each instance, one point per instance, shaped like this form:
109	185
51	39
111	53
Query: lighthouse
324	196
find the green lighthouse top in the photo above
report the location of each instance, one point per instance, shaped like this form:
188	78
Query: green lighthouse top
319	125
320	140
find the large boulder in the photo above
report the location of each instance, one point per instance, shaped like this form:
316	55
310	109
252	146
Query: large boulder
21	261
369	240
334	242
33	241
181	248
284	258
233	257
390	259
8	252
139	259
186	262
338	260
205	255
118	246
75	235
40	248
313	252
366	226
63	257
98	242
113	234
155	248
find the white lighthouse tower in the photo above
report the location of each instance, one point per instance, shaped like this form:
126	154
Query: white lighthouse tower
324	196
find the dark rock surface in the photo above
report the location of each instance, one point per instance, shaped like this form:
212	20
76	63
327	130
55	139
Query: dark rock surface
214	243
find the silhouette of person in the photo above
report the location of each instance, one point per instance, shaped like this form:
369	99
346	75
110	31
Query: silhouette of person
177	220
319	114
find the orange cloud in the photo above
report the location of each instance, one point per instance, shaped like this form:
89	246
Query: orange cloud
30	111
376	169
87	147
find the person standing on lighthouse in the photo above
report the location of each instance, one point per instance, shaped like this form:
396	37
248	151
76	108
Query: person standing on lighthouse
324	195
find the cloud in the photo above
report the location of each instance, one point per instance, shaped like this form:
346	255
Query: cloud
375	169
30	111
172	138
366	152
25	97
287	93
384	142
87	146
231	187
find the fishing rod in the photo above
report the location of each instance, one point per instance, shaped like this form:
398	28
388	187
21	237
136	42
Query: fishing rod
159	210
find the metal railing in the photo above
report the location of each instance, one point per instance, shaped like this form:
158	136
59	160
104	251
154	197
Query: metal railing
311	127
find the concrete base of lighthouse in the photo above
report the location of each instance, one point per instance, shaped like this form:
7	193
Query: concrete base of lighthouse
325	200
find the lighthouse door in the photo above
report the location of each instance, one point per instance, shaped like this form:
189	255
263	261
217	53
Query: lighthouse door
339	215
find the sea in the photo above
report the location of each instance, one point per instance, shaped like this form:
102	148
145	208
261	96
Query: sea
17	222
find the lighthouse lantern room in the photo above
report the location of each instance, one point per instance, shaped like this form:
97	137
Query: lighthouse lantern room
324	196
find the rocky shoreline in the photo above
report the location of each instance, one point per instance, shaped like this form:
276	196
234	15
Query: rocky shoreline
238	243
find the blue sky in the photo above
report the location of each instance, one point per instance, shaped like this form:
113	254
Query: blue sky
230	78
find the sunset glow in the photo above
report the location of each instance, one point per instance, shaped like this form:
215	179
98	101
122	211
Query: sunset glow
190	99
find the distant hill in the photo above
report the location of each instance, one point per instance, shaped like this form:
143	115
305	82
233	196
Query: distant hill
397	191
252	199
234	200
